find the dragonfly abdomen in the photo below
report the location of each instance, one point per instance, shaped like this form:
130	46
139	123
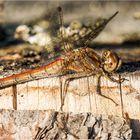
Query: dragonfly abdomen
49	70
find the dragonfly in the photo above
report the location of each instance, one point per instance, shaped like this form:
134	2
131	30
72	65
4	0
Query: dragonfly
77	62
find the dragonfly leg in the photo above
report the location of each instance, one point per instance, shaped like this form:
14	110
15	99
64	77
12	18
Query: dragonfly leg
61	92
64	82
109	77
99	90
65	87
68	79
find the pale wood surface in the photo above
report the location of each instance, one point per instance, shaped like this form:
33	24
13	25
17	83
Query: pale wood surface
45	94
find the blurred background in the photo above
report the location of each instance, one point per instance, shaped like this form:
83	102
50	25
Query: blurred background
122	34
124	27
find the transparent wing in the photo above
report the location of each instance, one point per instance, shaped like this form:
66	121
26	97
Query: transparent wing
74	36
54	47
97	28
59	40
92	31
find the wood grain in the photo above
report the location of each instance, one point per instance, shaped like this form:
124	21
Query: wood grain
44	94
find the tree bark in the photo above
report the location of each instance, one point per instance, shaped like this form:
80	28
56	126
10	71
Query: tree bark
44	125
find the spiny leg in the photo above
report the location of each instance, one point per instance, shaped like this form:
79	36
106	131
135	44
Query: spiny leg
67	81
124	115
61	91
109	77
64	88
120	86
99	90
83	64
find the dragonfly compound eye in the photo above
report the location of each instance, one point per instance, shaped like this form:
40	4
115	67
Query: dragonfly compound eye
111	61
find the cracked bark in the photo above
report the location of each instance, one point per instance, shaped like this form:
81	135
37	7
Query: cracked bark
85	126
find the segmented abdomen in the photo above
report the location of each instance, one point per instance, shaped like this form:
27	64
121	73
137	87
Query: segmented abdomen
51	69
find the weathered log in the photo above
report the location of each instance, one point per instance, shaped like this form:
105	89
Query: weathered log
44	125
81	97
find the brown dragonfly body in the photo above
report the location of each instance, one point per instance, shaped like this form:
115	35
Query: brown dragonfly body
45	71
81	62
78	60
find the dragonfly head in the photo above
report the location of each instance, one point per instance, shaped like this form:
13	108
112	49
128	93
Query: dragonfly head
111	62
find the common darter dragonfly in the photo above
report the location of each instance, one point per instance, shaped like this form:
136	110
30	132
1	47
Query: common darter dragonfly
76	60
